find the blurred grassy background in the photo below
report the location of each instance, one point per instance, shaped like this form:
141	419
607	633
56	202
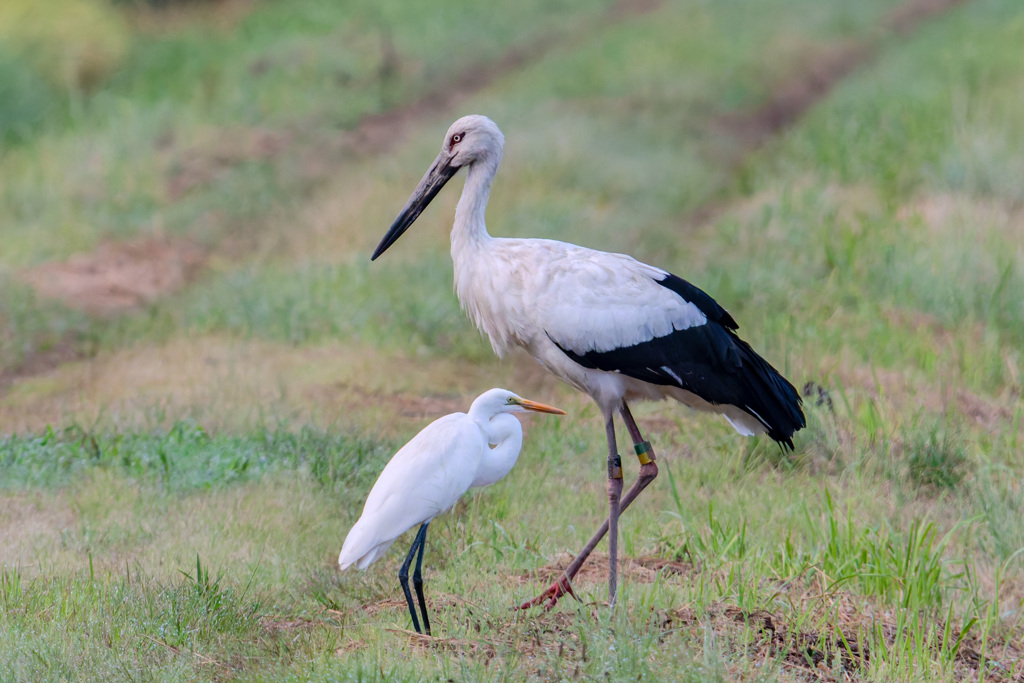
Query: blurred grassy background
201	373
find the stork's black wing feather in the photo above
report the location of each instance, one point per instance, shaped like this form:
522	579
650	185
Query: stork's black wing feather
699	298
711	361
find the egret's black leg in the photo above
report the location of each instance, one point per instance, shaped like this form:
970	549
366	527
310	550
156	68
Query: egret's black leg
403	577
648	471
417	578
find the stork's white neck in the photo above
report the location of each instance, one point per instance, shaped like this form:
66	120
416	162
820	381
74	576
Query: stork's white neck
470	248
470	229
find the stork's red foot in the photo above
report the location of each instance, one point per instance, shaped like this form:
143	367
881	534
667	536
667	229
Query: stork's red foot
549	598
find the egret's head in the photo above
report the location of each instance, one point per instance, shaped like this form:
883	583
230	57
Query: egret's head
471	139
498	401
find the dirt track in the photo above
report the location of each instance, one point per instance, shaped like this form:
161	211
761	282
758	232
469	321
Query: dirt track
823	70
121	276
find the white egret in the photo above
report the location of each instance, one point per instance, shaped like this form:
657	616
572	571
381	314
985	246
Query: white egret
607	324
430	473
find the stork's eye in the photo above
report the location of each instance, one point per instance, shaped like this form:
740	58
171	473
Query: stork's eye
457	138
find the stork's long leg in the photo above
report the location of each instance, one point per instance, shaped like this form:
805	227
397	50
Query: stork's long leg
648	471
417	578
614	495
403	575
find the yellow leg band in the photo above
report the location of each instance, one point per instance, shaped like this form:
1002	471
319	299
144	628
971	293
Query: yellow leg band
644	452
615	468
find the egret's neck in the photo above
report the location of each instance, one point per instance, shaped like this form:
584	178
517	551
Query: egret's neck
505	434
470	230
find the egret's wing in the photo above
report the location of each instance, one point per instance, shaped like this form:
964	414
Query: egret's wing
423	479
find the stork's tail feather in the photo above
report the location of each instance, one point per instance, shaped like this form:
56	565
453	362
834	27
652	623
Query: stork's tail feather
774	402
713	363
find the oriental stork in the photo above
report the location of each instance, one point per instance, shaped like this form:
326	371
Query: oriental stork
616	329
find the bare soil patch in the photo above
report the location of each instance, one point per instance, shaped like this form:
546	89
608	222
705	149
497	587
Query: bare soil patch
115	277
594	571
65	351
833	645
430	406
841	648
119	275
166	18
822	70
906	17
837	648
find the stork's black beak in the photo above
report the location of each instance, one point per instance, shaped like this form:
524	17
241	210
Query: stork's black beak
441	171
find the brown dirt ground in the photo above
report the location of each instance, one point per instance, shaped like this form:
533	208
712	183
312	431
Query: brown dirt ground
843	619
119	275
151	19
645	569
836	648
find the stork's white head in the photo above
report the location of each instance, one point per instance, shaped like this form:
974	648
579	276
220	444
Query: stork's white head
472	139
498	401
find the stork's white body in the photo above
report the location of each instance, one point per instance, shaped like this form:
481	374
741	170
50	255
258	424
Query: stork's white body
584	299
541	294
609	325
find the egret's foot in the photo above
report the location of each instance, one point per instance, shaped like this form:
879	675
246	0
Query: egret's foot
549	598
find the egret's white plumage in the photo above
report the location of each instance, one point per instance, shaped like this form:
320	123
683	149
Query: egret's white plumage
609	325
423	479
428	475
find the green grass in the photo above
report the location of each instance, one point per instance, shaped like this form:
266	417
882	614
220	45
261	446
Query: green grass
30	326
186	457
308	70
614	173
873	248
260	600
316	302
27	100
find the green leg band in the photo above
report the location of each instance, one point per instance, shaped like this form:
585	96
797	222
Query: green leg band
644	452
